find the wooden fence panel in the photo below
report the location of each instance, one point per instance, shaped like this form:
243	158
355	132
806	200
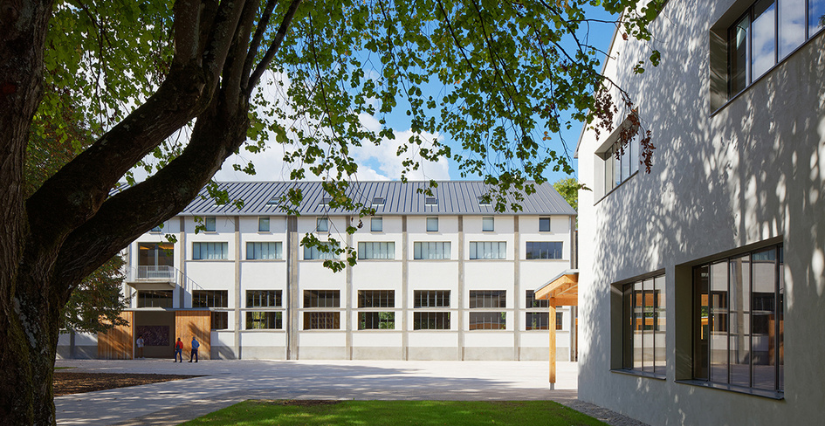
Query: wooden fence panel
198	324
117	342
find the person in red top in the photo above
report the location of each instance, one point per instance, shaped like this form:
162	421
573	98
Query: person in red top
178	351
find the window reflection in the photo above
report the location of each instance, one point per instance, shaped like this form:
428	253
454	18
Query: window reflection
791	25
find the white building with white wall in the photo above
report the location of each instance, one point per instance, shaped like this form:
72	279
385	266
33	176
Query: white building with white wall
439	277
701	286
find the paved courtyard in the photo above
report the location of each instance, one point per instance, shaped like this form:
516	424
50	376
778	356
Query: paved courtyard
227	382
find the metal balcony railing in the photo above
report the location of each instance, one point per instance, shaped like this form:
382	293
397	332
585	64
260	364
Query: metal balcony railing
153	273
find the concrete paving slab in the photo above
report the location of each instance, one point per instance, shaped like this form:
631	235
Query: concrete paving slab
227	382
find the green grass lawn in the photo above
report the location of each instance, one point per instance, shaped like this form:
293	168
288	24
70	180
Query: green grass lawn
296	412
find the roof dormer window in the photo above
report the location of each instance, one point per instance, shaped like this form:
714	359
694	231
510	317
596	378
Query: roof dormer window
431	201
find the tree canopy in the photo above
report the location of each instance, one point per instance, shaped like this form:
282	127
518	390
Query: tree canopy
181	82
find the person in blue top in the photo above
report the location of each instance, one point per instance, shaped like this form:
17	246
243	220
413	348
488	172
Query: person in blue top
195	346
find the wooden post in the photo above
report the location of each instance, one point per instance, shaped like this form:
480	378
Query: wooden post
552	326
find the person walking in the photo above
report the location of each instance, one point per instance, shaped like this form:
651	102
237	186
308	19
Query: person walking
195	346
139	344
178	351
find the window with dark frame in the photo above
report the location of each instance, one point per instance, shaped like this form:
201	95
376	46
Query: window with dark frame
537	320
488	224
767	33
488	299
376	298
210	298
376	320
431	298
322	320
263	224
322	299
264	320
322	224
154	298
315	253
430	201
530	301
488	321
559	320
210	223
431	321
488	250
643	326
544	224
264	250
543	250
263	298
220	320
739	321
432	224
210	251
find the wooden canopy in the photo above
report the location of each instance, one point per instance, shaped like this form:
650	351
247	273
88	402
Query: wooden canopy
563	290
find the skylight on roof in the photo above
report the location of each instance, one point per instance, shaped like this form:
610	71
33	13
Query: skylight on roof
378	201
431	201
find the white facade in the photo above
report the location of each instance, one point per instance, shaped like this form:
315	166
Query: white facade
734	201
295	335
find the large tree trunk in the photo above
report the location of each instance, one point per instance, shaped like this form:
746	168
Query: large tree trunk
28	327
71	225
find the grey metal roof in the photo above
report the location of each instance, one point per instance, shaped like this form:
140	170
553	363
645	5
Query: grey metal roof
454	197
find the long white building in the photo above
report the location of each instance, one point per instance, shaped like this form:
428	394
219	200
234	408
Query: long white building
439	277
702	283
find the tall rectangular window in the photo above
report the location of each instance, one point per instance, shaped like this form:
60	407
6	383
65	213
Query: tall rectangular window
322	224
559	320
643	326
488	224
543	250
765	34
376	250
263	298
210	251
210	298
619	163
314	253
432	224
431	250
431	298
431	321
263	224
264	320
738	320
210	223
377	224
488	250
322	299
264	251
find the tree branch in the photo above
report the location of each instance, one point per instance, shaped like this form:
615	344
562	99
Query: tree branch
273	48
256	41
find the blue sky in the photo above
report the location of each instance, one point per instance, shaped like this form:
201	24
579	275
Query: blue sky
380	163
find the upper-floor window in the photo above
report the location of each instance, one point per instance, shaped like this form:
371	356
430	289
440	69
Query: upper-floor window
264	251
263	298
488	250
488	224
431	298
210	251
377	224
376	250
544	224
543	250
322	224
432	224
431	250
619	164
314	253
210	223
488	299
210	298
322	298
376	298
767	32
263	224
